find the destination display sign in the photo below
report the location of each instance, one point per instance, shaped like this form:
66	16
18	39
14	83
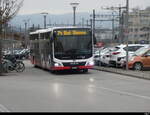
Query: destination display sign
71	32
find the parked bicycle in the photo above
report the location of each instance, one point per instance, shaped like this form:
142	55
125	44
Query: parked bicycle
10	64
4	66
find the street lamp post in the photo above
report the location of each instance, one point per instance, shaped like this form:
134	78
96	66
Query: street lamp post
113	24
127	32
74	5
26	22
44	14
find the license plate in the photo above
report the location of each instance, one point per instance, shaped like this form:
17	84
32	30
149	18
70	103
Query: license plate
74	68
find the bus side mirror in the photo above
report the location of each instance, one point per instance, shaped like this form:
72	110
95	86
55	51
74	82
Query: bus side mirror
53	37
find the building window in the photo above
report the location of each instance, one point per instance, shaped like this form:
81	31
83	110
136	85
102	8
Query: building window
136	30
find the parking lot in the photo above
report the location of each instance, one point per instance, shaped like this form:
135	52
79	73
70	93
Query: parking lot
116	56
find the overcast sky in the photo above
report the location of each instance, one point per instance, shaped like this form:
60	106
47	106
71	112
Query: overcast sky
63	6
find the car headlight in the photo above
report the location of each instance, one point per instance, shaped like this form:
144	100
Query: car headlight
121	58
57	65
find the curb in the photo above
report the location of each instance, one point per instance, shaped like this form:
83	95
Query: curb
130	73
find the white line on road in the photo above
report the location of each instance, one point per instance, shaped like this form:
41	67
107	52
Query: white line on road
3	109
123	93
119	92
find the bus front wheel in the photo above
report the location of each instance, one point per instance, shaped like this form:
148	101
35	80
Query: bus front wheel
85	70
53	71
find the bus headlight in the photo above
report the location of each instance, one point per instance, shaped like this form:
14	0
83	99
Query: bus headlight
57	65
90	63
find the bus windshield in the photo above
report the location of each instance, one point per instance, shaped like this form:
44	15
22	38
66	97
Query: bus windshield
73	44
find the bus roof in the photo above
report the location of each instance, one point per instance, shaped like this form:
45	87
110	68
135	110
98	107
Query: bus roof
54	28
39	31
66	27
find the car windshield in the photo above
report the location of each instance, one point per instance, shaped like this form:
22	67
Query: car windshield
141	51
115	48
108	50
132	48
105	50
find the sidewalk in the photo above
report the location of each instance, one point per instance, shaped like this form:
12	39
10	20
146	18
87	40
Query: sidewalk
138	74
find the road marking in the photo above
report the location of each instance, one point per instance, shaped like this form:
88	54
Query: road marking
123	92
118	91
3	109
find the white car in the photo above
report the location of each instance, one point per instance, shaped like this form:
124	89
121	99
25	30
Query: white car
102	57
97	55
119	54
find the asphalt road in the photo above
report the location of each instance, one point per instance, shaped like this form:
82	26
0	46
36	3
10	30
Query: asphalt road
36	90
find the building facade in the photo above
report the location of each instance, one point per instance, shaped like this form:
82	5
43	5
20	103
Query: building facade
139	26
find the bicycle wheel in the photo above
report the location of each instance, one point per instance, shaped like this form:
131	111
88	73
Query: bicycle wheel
5	68
20	67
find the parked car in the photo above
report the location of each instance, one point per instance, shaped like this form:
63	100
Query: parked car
140	60
19	53
102	57
6	52
120	53
97	54
23	54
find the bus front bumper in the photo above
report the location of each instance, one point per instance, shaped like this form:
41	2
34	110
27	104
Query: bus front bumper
72	68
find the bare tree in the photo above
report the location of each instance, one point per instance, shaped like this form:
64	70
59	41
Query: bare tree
8	10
